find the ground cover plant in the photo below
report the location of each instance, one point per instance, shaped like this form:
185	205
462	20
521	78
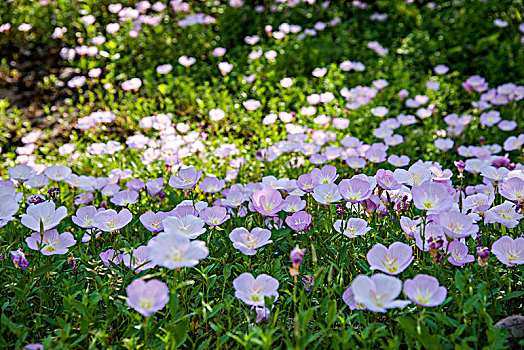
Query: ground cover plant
261	174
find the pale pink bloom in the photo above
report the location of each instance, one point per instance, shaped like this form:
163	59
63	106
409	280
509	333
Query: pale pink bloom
173	251
392	260
458	253
319	72
267	201
457	225
164	68
147	297
286	82
216	114
24	27
425	290
188	225
248	242
509	251
8	207
109	220
211	185
251	105
85	217
139	261
153	221
225	67
186	178
504	214
410	226
112	28
219	51
21	172
432	196
51	242
186	61
214	216
43	214
253	291
416	175
38	181
326	194
378	292
352	228
125	198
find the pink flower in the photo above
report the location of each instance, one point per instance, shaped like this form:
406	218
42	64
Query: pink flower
425	290
139	260
173	250
326	175
153	187
504	214
110	256
248	242
294	204
216	114
21	172
219	52
85	217
378	292
19	259
457	225
509	251
267	201
51	242
251	105
349	299
355	190
133	84
125	198
214	216
225	67
253	291
458	253
187	225
8	207
319	72
432	196
286	82
186	178
299	221
153	221
326	194
352	228
513	189
416	175
392	260
211	185
164	68
186	61
109	220
147	297
43	214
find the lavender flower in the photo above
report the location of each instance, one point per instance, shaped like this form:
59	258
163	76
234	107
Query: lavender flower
147	297
458	253
392	260
19	259
253	291
50	242
378	292
248	242
425	290
299	221
509	251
